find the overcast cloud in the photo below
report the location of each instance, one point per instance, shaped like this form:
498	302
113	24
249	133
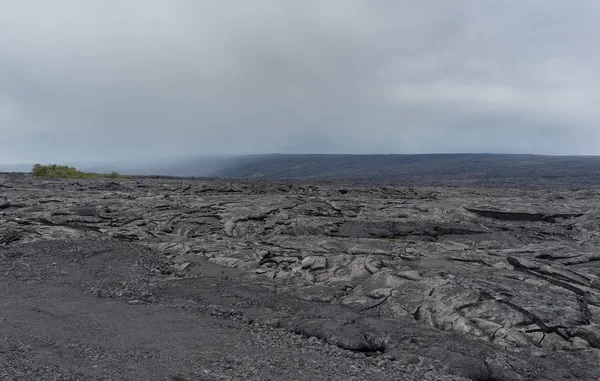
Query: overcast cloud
112	79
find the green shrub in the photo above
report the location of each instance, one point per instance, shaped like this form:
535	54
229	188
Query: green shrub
63	171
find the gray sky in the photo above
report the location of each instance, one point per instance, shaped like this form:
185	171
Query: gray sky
113	79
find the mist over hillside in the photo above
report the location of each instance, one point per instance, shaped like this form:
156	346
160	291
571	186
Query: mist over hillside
188	166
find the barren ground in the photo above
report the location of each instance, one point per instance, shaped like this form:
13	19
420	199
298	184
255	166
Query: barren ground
167	279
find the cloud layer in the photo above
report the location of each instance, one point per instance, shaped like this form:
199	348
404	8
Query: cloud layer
116	79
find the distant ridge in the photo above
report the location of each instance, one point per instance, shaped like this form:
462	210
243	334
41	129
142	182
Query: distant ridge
437	169
428	168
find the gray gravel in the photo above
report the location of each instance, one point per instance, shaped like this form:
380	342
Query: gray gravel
74	310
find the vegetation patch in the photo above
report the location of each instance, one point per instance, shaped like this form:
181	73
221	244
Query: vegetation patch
63	171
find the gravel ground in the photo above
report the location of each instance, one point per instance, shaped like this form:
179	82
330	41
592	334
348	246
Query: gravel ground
73	310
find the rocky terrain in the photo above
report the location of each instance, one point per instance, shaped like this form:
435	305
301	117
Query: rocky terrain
210	279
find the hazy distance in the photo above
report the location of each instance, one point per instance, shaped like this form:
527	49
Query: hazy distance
133	81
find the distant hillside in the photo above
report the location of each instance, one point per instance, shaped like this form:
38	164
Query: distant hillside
480	169
435	168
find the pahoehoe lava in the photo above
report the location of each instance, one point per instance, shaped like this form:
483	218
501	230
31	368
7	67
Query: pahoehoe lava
153	278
